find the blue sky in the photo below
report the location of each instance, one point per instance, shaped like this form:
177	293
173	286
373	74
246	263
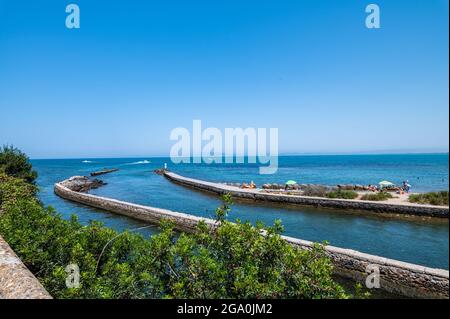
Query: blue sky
137	69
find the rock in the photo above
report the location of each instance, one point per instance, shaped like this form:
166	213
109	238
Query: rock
160	171
348	187
82	183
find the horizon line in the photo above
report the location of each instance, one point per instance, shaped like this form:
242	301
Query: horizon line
280	155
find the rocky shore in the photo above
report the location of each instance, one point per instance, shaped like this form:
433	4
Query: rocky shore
82	183
276	186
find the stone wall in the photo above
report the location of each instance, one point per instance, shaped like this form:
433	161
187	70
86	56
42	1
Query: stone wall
152	215
377	207
399	277
16	281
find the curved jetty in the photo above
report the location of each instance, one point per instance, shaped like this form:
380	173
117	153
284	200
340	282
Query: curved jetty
395	276
357	204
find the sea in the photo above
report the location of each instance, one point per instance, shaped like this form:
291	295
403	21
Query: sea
416	240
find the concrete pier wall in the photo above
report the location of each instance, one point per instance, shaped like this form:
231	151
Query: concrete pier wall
257	195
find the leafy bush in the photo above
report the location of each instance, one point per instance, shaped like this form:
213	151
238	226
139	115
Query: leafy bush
12	189
15	163
345	194
232	261
377	196
432	198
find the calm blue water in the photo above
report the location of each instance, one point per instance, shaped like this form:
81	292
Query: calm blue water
413	240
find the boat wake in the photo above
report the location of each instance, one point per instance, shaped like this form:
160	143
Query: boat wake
139	162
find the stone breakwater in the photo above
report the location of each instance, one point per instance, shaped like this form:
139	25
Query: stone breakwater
395	276
16	281
354	204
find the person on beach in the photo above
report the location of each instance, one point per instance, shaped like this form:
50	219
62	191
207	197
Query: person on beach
406	186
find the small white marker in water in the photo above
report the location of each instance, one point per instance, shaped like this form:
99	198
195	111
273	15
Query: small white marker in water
165	165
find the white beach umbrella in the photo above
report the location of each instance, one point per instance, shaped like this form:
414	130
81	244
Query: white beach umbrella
385	184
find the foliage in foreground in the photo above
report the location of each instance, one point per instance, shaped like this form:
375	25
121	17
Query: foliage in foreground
432	198
377	196
13	189
15	163
234	261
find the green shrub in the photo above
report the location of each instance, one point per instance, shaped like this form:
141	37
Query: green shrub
12	189
15	163
232	261
432	198
377	196
345	194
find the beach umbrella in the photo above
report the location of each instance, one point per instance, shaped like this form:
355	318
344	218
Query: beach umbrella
291	182
385	184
